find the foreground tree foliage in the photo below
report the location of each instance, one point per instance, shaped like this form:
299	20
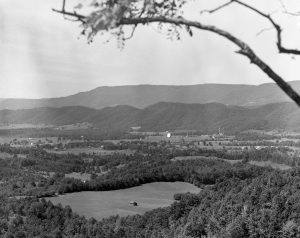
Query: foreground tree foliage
116	16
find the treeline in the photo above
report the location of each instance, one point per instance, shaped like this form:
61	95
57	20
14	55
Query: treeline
276	143
255	136
199	172
278	155
93	134
118	171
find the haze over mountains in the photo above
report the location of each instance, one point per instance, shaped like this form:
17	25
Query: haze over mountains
165	116
141	96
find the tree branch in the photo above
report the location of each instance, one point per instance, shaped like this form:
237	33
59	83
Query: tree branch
277	27
286	11
63	5
217	8
77	16
244	48
132	33
264	30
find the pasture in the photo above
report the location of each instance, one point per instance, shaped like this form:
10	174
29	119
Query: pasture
194	157
107	203
86	150
4	155
80	176
22	126
6	139
271	164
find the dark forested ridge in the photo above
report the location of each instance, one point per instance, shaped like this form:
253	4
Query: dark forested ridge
141	96
164	116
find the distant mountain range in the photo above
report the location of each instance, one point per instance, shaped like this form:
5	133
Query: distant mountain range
141	96
165	116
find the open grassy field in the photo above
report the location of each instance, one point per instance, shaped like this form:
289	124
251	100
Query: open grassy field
18	138
179	158
270	163
4	155
98	151
5	139
107	203
81	176
22	126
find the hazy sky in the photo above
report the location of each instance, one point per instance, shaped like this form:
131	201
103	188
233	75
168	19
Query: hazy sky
41	55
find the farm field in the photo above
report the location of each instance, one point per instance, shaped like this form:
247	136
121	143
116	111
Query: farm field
6	139
80	176
4	155
23	126
77	151
107	203
20	138
270	163
180	158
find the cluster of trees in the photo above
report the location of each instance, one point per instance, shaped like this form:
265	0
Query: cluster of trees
241	201
276	155
119	171
15	150
199	172
263	206
267	143
255	137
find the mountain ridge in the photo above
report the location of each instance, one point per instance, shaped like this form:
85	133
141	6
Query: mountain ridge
141	96
164	116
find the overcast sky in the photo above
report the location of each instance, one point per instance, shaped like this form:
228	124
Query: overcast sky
41	55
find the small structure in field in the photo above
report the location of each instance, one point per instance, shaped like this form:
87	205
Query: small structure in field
133	203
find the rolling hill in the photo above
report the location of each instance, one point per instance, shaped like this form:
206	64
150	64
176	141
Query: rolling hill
164	116
141	96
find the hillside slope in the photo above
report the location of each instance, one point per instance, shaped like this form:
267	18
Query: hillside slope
141	96
165	116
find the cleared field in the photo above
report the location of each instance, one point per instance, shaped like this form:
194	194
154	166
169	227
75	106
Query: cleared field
5	139
5	155
18	140
107	203
81	176
270	163
22	126
194	157
98	151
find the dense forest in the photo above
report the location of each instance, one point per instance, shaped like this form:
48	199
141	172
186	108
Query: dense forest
160	116
265	206
29	174
238	199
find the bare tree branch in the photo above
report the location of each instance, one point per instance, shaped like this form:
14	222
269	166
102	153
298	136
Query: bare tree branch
63	5
244	48
63	11
217	8
276	26
264	30
286	11
132	33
